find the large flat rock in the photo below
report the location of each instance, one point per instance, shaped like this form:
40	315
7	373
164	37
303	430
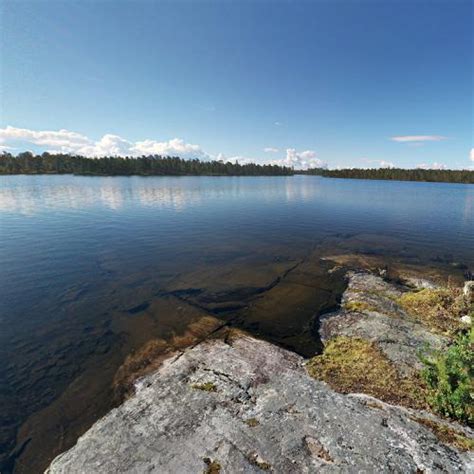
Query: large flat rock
247	406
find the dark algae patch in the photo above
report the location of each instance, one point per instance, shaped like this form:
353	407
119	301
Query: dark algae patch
138	308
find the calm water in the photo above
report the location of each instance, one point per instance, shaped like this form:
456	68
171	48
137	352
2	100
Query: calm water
78	253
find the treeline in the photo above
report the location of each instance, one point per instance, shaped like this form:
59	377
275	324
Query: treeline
46	163
398	174
155	165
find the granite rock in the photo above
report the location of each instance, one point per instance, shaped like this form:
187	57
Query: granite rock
239	404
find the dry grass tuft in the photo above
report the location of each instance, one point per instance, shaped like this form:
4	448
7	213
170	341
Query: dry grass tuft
351	365
439	309
448	435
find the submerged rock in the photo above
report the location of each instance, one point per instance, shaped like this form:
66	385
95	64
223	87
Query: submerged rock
238	404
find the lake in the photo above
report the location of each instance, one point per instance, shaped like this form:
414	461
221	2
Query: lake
92	268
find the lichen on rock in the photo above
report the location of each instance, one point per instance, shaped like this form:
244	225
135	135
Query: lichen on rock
352	365
439	309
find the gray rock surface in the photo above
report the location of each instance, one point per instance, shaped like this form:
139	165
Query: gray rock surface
261	411
468	291
381	320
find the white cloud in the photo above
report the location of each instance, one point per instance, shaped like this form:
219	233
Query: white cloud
433	166
471	154
278	124
386	164
242	160
65	141
379	163
109	145
300	160
418	138
271	149
176	146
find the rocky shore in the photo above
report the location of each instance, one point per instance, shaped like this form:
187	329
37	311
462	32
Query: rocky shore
234	403
240	404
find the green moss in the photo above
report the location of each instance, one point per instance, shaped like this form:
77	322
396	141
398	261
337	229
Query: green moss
359	306
448	435
438	309
252	422
206	386
352	365
213	466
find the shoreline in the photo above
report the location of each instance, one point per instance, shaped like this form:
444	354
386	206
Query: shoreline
217	175
146	356
234	379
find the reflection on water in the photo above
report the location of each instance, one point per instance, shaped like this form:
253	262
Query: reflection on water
78	253
26	195
468	215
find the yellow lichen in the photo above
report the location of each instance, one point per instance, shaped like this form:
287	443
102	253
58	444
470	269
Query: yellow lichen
352	365
213	466
256	460
359	306
439	309
252	422
206	386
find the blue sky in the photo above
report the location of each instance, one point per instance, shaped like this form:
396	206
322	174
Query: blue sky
319	81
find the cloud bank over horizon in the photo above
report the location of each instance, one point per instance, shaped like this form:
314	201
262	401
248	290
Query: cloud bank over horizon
70	142
66	141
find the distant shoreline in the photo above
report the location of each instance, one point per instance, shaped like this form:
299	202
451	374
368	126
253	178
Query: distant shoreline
396	174
296	173
155	165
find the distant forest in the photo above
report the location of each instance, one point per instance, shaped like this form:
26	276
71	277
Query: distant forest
397	174
27	163
47	163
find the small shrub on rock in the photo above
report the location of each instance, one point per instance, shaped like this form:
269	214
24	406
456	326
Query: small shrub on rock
449	375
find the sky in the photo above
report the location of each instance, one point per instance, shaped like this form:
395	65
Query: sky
342	83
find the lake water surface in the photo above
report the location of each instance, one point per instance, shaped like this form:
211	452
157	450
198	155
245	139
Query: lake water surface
91	268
